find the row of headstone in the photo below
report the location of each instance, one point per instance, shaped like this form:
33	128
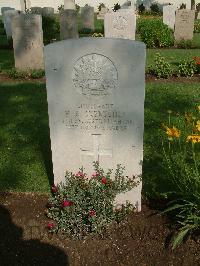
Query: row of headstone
26	31
69	20
181	21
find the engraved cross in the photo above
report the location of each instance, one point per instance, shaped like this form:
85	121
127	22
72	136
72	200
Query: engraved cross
96	152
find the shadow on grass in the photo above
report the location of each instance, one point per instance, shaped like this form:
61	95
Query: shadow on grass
16	251
24	138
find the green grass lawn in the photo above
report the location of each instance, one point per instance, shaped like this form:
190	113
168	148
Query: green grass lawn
173	56
25	156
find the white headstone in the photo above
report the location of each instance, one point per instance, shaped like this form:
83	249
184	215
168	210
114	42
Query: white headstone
96	106
28	41
184	24
121	24
102	13
8	17
169	16
69	4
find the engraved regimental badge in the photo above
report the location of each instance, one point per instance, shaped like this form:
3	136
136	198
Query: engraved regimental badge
94	75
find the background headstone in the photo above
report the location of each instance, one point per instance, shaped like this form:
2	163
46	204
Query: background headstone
36	10
3	10
96	106
87	17
169	16
48	11
68	24
121	24
28	41
198	16
69	4
8	17
184	24
102	13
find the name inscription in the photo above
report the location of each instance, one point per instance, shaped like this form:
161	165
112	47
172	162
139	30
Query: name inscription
96	116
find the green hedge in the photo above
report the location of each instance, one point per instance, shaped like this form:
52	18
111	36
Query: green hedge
154	33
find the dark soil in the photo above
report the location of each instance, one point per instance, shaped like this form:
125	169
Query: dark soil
143	239
173	79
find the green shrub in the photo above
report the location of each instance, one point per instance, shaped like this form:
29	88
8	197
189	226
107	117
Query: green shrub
154	33
186	68
50	28
181	160
83	206
141	8
161	68
2	31
34	74
197	26
155	8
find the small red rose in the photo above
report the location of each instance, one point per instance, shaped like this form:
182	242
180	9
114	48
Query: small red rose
67	203
92	213
54	189
80	174
104	180
50	226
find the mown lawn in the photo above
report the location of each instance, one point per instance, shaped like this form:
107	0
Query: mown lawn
25	156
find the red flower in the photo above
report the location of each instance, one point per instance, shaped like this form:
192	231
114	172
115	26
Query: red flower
67	203
54	189
104	180
80	174
92	213
50	226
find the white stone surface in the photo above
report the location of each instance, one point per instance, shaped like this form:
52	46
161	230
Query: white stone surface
28	41
95	92
169	16
69	4
184	24
121	24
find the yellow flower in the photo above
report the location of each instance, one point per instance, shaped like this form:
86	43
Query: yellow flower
194	138
173	132
198	125
198	108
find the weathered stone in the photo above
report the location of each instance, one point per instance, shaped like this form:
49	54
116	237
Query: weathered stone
48	11
184	24
95	91
69	4
87	17
28	41
36	10
169	16
102	13
121	24
68	24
